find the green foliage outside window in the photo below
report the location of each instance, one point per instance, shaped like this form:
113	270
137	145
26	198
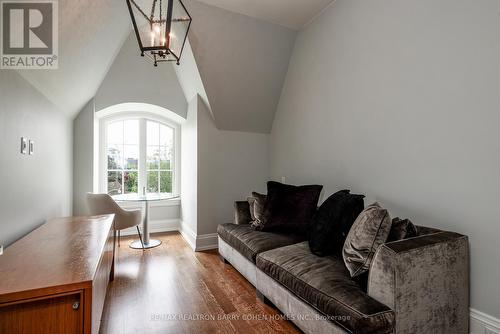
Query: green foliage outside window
131	182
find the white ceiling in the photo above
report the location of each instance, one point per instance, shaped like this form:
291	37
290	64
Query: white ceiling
293	14
242	86
242	63
91	32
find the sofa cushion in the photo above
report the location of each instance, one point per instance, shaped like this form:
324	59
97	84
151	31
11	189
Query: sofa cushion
368	233
249	242
325	284
332	222
289	208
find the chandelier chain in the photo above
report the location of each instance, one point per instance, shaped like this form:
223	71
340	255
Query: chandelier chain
153	11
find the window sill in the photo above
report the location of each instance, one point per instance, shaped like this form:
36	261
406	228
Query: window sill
153	204
166	202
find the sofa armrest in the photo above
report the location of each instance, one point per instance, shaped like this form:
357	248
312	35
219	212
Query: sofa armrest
242	213
425	280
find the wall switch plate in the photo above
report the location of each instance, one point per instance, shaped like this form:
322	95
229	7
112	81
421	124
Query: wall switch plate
31	147
24	145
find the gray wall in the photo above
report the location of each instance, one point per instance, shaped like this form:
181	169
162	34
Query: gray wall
400	100
218	168
189	167
231	165
133	78
37	187
83	158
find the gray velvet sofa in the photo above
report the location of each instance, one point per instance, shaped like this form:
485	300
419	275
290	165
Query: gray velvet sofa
416	285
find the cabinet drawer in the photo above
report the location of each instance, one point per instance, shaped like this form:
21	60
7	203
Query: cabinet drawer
56	314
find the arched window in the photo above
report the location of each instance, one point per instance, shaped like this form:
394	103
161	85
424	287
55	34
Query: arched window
139	153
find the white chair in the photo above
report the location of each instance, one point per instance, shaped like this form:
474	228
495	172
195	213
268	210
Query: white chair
103	204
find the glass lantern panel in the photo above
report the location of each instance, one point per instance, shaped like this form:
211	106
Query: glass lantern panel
179	28
150	17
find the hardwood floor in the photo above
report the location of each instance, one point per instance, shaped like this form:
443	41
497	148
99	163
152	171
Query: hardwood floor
171	289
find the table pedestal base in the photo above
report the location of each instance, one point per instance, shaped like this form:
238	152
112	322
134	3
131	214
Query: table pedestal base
152	244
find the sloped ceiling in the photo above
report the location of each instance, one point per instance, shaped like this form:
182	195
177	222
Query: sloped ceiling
293	14
91	32
242	62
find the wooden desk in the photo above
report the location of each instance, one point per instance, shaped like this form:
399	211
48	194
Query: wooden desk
54	280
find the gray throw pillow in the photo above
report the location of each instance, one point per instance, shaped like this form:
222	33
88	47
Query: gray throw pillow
257	203
367	234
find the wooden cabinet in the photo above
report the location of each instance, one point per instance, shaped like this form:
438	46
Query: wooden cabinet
54	280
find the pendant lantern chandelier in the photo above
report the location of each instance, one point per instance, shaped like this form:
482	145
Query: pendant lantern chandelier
161	28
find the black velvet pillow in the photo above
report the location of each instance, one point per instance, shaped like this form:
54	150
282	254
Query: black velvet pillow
289	208
332	222
402	229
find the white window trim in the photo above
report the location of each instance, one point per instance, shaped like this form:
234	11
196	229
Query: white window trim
119	114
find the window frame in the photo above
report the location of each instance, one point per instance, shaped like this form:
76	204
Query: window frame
123	170
143	117
159	170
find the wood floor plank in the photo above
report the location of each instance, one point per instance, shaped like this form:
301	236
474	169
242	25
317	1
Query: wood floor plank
171	289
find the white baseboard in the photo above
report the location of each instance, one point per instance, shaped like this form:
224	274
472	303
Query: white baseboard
188	235
198	243
482	323
206	242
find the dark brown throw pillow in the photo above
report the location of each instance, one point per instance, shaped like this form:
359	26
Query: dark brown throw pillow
368	233
402	229
289	208
257	203
332	222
